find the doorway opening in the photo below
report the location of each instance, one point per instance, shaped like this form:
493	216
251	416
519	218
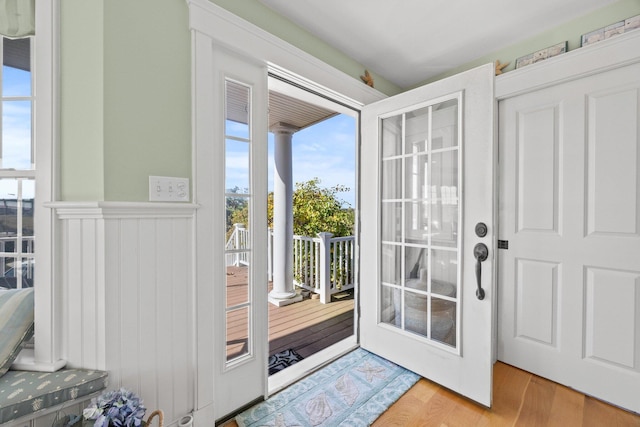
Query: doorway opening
311	219
311	239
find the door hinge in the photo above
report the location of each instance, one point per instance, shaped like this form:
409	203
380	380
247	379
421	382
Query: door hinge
503	244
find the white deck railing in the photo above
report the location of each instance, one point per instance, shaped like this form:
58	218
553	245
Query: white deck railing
323	265
237	246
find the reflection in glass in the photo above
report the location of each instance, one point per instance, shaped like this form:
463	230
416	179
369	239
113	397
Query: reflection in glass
443	321
390	264
417	131
237	333
444	272
391	136
417	222
445	125
416	313
237	110
391	179
391	302
417	177
444	212
416	266
391	220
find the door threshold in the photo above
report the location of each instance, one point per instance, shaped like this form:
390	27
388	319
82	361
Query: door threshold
301	369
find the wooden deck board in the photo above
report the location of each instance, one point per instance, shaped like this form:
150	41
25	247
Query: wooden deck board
307	326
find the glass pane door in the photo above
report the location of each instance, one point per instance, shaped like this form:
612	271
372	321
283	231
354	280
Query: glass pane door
238	199
420	217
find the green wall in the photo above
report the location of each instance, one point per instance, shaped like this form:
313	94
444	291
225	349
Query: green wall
125	86
125	97
81	101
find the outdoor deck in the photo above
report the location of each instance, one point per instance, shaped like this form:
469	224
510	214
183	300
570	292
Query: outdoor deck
306	327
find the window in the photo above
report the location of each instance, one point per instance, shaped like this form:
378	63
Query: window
17	165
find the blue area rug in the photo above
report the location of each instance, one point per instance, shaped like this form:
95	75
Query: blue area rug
352	391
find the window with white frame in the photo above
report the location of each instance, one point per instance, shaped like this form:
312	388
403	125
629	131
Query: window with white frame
17	164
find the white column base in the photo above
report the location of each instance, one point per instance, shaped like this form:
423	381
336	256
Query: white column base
281	302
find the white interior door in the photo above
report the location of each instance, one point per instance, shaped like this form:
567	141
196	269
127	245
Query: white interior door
427	181
570	211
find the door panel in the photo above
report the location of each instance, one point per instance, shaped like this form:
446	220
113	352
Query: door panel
427	173
231	163
570	199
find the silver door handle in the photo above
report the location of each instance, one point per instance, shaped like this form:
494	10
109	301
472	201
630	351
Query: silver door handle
481	253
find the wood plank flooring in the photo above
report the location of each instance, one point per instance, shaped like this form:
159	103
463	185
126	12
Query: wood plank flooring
307	326
519	399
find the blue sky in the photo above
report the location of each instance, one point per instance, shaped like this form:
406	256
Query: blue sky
16	129
325	151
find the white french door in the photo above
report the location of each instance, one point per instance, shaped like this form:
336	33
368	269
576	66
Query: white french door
427	234
231	165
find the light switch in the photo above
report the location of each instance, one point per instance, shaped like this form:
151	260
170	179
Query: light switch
168	189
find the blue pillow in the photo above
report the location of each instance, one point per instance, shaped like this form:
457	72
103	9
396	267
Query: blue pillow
16	324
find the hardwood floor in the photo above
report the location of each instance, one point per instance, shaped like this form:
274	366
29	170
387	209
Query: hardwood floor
519	399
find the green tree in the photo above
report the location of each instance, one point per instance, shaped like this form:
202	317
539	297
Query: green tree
237	211
315	209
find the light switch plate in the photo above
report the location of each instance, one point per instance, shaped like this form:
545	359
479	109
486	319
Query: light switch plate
168	189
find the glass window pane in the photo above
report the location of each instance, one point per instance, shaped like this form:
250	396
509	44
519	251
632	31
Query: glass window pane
390	310
416	313
391	179
416	268
238	282
391	136
417	177
444	272
444	211
237	165
16	67
28	196
417	131
390	264
391	220
237	110
445	125
16	135
417	222
237	333
443	321
9	214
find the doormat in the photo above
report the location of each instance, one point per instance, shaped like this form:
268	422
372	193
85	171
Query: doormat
283	359
352	391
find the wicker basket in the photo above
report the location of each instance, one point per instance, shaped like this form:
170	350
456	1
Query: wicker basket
157	413
64	421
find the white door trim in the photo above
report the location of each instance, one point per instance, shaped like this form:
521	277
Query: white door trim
287	60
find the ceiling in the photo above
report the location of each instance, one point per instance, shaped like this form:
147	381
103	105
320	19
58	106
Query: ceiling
410	41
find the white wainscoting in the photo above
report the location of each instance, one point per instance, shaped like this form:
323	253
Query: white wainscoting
127	293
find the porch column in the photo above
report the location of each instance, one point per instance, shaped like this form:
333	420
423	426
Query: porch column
283	292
